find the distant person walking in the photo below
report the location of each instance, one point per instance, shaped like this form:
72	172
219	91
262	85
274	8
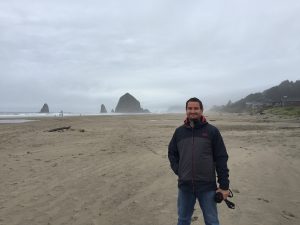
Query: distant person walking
196	152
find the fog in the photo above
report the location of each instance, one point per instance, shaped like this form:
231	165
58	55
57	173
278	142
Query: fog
77	55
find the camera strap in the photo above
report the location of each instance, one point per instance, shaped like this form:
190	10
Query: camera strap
230	204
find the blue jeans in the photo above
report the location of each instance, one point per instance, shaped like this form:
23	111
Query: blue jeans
186	202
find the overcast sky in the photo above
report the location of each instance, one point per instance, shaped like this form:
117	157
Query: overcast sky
76	55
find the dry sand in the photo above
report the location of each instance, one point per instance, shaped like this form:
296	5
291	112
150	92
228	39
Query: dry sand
117	172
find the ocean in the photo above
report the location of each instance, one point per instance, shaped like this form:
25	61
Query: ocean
22	117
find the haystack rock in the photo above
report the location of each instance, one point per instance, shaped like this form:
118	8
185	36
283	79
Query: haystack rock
128	104
103	109
45	108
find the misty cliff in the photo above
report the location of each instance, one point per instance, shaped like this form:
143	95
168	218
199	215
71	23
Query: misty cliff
286	91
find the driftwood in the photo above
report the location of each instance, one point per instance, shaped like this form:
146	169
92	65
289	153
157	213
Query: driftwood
60	129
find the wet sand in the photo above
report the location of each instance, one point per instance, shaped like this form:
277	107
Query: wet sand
114	170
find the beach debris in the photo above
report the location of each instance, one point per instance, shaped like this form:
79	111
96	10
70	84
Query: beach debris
59	129
62	129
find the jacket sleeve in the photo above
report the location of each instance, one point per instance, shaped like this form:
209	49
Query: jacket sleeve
221	158
173	154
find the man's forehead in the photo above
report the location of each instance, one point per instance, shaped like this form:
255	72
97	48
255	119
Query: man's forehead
193	104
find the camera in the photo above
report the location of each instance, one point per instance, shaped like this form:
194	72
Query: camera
219	197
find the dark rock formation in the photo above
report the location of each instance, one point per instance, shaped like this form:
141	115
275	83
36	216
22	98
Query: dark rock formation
128	104
103	109
45	108
112	110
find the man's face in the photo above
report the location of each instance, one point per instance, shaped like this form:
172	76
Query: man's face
193	110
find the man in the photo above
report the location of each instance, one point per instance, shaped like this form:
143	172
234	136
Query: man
196	152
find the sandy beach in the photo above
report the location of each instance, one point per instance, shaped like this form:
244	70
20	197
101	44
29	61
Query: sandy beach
114	170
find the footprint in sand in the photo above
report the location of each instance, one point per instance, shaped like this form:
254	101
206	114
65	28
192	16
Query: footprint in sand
287	215
262	199
58	189
195	218
235	191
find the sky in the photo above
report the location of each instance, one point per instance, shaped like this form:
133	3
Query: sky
76	55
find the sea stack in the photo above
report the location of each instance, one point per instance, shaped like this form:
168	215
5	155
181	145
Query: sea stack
103	109
129	104
45	108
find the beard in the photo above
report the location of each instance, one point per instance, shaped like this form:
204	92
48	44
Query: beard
194	116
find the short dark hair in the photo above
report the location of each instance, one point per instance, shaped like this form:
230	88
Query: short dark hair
194	99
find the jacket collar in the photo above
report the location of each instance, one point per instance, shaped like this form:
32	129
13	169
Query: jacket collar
198	124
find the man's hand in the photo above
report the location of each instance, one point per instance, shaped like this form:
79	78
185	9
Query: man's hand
225	193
